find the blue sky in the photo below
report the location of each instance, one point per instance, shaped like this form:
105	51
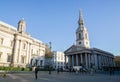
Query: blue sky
56	21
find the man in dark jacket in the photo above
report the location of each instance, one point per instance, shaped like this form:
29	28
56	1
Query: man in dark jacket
36	72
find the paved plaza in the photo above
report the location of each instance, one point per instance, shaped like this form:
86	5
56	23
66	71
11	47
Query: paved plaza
43	76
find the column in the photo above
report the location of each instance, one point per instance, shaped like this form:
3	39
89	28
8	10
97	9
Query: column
96	61
100	60
68	61
111	62
76	59
19	51
89	62
105	61
81	58
65	64
72	60
86	58
29	55
14	52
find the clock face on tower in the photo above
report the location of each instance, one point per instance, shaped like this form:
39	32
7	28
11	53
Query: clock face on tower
79	42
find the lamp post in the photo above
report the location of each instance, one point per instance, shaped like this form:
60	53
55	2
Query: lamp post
50	45
50	58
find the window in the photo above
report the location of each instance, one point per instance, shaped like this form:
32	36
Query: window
0	55
58	58
1	40
62	57
11	43
86	36
41	62
37	52
9	58
22	59
24	45
32	51
79	36
86	42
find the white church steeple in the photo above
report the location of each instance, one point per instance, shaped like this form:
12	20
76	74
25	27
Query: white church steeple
82	38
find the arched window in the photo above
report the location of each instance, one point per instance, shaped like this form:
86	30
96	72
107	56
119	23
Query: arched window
24	46
1	41
79	36
86	36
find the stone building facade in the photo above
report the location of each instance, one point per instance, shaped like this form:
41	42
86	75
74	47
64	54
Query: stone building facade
58	60
18	48
80	54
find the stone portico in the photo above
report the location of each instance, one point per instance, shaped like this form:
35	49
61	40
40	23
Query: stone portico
89	57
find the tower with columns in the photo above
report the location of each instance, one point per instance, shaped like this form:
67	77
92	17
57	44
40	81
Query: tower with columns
80	54
21	26
18	48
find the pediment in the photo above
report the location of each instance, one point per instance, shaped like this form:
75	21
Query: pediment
75	48
71	49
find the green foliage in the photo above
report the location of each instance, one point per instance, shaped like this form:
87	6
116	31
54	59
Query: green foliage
14	69
117	58
48	53
27	69
117	61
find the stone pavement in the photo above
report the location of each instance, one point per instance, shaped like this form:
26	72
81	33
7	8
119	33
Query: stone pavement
61	77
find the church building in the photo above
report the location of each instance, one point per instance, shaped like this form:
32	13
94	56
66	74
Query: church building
80	54
18	48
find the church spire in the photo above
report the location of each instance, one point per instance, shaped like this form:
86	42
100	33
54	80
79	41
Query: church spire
82	38
80	21
81	24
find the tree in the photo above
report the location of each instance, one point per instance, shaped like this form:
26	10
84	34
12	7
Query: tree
48	56
117	61
48	52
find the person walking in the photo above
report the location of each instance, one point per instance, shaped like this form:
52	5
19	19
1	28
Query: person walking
36	72
58	70
49	70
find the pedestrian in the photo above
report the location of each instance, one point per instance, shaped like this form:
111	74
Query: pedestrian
58	70
36	72
110	70
49	69
70	69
